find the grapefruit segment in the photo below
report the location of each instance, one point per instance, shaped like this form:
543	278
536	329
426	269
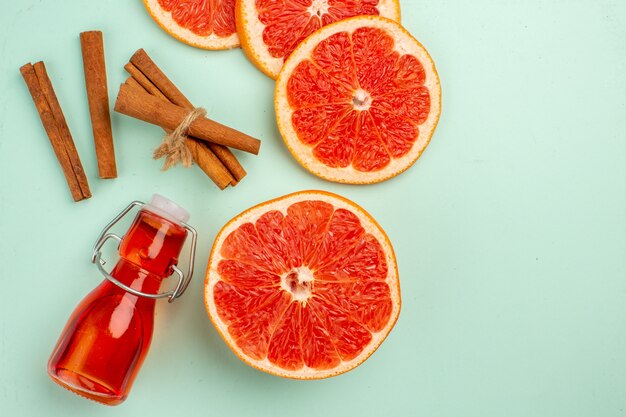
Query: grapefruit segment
364	261
370	153
410	73
334	57
375	58
270	30
398	134
338	10
244	275
366	68
312	124
337	150
412	104
347	335
308	221
318	351
313	87
328	311
368	302
253	332
281	35
284	349
246	246
207	24
233	300
343	233
278	240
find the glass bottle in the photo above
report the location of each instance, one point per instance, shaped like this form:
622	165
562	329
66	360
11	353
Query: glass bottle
108	335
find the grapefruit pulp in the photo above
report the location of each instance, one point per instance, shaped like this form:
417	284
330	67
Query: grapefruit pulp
270	30
358	100
207	24
304	286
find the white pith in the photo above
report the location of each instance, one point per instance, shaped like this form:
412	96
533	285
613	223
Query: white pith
281	204
298	283
318	8
250	27
405	44
164	19
361	100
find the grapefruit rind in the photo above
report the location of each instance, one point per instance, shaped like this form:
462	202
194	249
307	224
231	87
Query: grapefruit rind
165	21
282	203
250	31
405	44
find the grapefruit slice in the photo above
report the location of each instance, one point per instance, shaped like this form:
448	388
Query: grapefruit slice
304	286
270	30
206	24
358	100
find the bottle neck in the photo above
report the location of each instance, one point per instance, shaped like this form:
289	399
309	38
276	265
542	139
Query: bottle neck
137	278
148	251
153	243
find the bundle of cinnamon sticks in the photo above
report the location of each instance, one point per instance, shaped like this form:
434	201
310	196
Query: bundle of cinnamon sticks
149	95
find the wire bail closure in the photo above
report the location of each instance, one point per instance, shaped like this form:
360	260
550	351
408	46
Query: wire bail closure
183	280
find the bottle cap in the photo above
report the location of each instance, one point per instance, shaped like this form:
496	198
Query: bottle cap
168	208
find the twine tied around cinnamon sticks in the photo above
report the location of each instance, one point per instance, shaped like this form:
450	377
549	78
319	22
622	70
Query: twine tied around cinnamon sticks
173	147
149	95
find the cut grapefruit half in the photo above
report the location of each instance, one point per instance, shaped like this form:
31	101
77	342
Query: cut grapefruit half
304	286
358	100
206	24
270	30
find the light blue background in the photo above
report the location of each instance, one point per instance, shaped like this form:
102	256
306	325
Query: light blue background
510	231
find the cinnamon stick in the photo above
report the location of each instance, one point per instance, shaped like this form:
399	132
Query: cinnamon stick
98	97
143	106
133	83
209	163
224	154
53	120
146	65
138	77
230	161
142	65
202	155
144	81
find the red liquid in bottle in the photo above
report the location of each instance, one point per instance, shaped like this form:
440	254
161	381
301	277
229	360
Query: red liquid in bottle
108	335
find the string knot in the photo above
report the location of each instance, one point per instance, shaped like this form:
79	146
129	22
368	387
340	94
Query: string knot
173	147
